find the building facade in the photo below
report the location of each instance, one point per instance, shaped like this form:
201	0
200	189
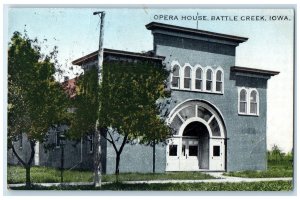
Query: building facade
218	109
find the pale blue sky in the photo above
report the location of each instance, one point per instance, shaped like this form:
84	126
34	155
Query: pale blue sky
270	46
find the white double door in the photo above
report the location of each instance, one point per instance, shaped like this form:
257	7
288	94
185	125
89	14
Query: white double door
183	155
188	154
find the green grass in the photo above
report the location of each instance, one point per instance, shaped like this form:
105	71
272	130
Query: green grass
256	186
16	174
275	169
158	176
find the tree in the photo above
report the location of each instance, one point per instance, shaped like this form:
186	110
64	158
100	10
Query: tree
129	97
276	154
85	103
35	100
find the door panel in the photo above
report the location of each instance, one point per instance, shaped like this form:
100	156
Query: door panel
189	159
217	157
173	155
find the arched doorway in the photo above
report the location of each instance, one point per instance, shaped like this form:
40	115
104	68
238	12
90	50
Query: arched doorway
198	140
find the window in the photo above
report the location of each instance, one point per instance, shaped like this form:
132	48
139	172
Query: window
243	101
57	138
248	101
219	81
253	102
172	150
187	78
214	126
176	77
91	143
198	79
216	150
209	80
193	150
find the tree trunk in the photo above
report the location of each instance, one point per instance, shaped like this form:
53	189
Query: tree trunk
28	181
97	159
117	163
28	164
153	156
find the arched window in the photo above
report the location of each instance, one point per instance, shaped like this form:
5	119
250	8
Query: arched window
176	77
198	79
243	101
187	78
253	102
219	81
209	80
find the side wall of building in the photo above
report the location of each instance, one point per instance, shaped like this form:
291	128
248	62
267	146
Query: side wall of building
136	157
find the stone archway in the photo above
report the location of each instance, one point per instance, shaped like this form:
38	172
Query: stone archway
198	142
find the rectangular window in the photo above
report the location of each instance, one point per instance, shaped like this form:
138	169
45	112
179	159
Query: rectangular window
198	85
172	150
219	86
193	150
253	108
243	107
187	83
216	150
208	85
91	143
175	82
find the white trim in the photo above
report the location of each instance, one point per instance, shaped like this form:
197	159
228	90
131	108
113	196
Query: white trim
193	77
222	80
212	79
196	101
257	102
248	101
184	77
173	64
216	115
179	162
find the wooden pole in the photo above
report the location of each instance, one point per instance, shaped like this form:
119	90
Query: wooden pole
97	155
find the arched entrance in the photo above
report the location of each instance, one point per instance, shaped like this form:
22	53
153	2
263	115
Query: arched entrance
198	140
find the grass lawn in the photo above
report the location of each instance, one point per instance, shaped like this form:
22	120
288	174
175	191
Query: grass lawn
281	169
16	174
257	186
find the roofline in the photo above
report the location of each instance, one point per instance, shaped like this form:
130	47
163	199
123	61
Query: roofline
116	52
154	25
253	71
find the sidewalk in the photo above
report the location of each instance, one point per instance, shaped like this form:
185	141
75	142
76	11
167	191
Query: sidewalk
219	179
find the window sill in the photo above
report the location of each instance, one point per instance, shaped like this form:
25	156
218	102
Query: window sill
250	115
200	91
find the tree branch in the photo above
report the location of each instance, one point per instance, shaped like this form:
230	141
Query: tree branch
113	142
18	157
32	145
123	143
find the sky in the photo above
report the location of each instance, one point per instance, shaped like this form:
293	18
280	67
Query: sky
270	46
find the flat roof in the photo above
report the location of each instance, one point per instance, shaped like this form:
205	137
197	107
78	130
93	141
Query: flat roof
253	71
94	56
156	25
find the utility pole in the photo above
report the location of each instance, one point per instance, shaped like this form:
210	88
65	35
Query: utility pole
97	155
